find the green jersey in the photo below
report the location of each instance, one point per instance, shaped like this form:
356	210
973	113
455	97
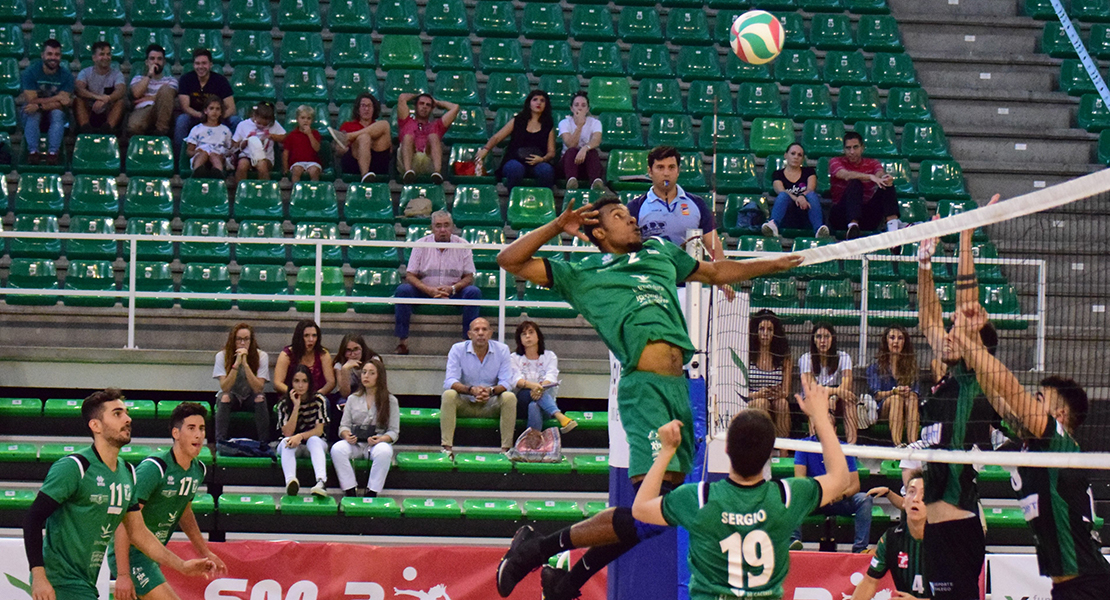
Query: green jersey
630	299
92	502
740	535
904	556
958	417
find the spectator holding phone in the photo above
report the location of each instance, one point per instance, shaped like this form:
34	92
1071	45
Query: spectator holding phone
301	419
371	425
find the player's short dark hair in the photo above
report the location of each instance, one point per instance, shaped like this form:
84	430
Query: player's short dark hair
751	437
199	52
1073	395
915	474
51	43
602	202
97	45
154	48
658	153
852	135
184	411
93	406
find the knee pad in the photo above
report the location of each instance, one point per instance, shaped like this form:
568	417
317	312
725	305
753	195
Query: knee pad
625	525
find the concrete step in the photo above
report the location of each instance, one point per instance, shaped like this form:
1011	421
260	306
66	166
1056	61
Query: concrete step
1064	230
1021	147
987	178
987	75
989	111
956	8
971	37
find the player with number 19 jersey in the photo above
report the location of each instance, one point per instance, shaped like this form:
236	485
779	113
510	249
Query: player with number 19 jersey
740	535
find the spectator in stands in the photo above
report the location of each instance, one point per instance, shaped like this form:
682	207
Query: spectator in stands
242	370
832	369
47	90
479	377
862	193
192	91
797	202
301	419
305	350
581	133
769	369
852	503
364	143
100	91
536	373
421	137
437	273
371	425
255	140
531	147
208	144
352	354
153	92
301	150
892	381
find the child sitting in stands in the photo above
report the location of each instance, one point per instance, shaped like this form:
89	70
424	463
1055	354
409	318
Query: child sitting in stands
302	147
209	143
255	139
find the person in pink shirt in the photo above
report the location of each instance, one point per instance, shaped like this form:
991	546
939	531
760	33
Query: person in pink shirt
422	137
863	196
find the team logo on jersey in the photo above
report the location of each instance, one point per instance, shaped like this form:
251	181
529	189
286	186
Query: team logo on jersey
645	279
903	560
106	530
169	480
100	480
98	498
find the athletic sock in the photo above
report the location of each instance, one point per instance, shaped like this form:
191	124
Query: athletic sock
592	562
555	543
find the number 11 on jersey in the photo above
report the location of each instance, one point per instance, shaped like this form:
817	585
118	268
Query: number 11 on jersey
746	553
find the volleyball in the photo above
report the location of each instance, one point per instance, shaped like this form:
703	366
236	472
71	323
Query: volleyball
757	37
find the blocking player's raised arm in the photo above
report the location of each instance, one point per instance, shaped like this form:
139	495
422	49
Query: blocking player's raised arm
519	258
967	284
929	312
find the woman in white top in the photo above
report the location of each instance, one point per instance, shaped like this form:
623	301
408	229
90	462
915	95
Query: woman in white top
537	373
581	134
371	425
830	368
242	370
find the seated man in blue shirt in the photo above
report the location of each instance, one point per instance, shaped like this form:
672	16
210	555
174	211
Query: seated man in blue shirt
851	503
479	377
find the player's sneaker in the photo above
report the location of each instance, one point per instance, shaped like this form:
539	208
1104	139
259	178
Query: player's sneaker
522	558
551	580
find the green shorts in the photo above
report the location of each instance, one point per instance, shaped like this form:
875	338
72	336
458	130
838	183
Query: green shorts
647	401
65	591
145	573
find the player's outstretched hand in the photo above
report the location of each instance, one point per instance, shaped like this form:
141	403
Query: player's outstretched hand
970	317
125	588
41	589
816	401
670	435
785	263
220	567
877	492
572	220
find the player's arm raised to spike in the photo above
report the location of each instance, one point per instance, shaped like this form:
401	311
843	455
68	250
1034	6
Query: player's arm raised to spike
189	526
816	406
725	272
144	540
519	257
648	505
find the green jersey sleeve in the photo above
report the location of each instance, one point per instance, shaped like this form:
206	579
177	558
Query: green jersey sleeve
684	264
562	276
680	507
878	566
148	480
63	479
803	496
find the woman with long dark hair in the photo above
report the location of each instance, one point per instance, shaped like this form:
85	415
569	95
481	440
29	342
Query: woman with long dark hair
892	380
769	369
305	349
371	425
242	370
302	415
531	145
536	372
826	366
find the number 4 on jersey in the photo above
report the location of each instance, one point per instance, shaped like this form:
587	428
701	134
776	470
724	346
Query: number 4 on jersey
757	551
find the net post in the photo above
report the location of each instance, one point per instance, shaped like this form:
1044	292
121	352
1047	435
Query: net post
694	326
863	311
1042	283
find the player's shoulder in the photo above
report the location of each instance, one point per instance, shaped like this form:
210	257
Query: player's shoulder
78	463
635	204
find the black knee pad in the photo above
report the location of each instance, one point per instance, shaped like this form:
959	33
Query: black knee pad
624	525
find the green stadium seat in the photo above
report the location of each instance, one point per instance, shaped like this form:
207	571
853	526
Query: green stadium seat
424	462
373	256
201	14
461	153
720	134
561	88
563	467
671	130
771	136
797	66
899	169
495	18
332	285
908	104
93	195
999	299
476	205
429	191
192	39
507	90
401	52
1039	9
759	100
1092	114
823	137
451	53
41	32
658	95
246	504
832	294
258	200
557	510
530	207
735	173
33	274
350	17
59	408
488	283
201	251
543	22
1104	147
1010	517
1074	79
691	173
305	85
39	194
148	197
350	82
888	296
809	102
600	59
550	57
705	98
398	16
352	50
302	49
152	13
878	137
469	126
20	407
866	6
610	94
95	276
649	60
722	24
254	83
773	164
855	103
879	33
821	5
591	23
924	140
251	48
627	163
893	69
9	77
688	26
152	277
794	27
299	15
431	508
260	253
377	508
782	467
8	118
622	130
249	14
475	462
640	24
696	62
35	247
377	282
776	293
499	54
941	179
91	249
141	37
306	255
11	41
832	32
262	279
150	155
368	203
913	210
947	207
445	17
310	505
845	68
594	464
1098	41
13	11
54	11
820	270
202	198
489	509
987	273
154	227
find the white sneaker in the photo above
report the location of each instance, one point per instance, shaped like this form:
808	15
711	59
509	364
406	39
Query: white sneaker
598	185
318	489
292	487
770	229
572	183
823	231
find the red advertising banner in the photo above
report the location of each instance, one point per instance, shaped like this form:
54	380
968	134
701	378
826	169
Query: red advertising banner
260	570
